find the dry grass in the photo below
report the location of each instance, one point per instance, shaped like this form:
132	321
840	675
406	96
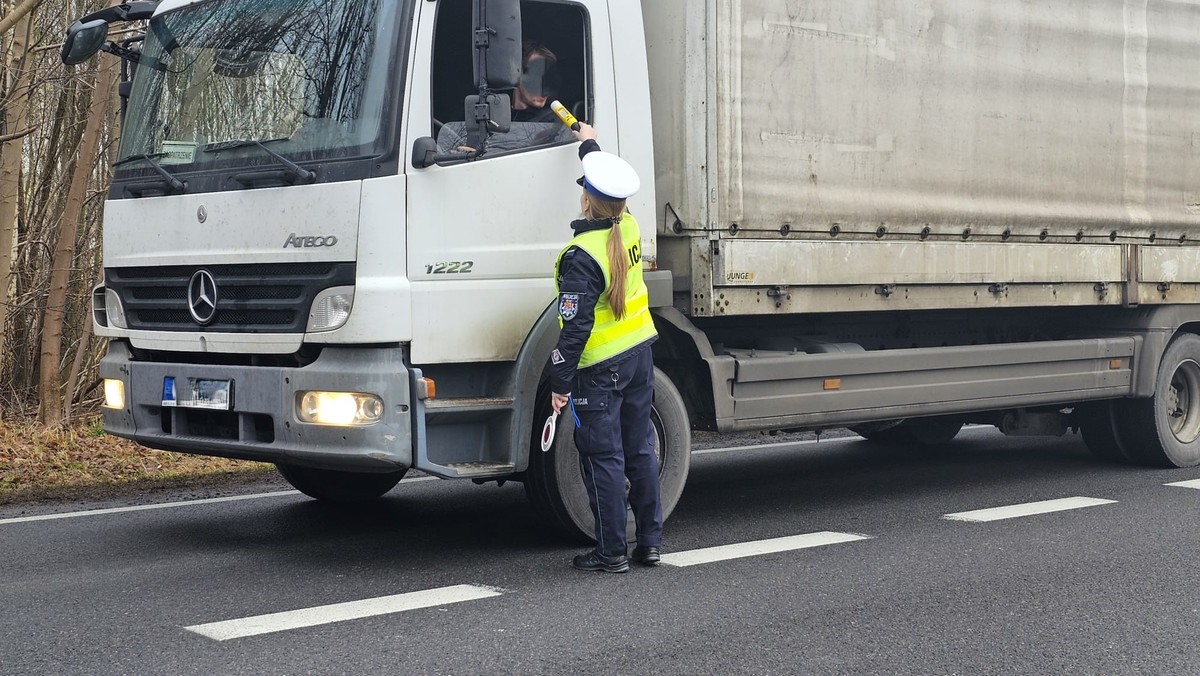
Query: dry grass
38	463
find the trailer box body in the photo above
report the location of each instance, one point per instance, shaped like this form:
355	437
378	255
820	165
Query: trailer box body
863	155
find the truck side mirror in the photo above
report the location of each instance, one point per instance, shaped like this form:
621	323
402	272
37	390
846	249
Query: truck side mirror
491	114
84	38
497	43
89	35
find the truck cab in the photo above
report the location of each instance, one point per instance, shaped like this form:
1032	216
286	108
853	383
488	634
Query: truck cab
306	264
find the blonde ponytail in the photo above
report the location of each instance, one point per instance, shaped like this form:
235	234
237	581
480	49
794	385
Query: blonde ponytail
600	209
618	264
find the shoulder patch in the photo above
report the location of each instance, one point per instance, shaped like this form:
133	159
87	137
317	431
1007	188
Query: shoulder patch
557	358
568	306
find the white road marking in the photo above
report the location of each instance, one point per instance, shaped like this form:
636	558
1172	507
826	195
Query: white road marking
740	550
1027	509
1194	483
167	505
341	612
140	508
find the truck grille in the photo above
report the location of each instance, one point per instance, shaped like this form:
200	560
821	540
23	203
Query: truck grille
258	298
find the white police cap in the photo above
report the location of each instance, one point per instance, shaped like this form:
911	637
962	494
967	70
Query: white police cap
609	177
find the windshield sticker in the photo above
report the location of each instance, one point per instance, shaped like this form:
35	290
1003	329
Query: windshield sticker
178	152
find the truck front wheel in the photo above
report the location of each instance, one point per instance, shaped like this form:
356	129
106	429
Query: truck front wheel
334	486
554	480
1165	429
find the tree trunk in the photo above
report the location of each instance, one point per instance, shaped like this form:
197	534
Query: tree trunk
15	84
50	380
81	352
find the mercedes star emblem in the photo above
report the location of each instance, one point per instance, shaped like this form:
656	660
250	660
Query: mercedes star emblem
202	297
202	214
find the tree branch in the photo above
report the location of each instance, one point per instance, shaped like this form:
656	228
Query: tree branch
9	20
5	138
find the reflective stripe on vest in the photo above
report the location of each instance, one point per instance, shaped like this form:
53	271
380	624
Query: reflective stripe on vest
611	336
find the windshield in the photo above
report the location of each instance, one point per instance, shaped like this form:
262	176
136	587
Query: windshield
311	77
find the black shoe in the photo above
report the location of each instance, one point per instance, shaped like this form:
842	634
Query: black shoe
594	560
647	556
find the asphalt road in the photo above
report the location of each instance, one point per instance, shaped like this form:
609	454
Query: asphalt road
1107	588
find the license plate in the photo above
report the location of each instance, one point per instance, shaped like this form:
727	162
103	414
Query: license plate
197	393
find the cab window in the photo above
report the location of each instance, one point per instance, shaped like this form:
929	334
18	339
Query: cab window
555	66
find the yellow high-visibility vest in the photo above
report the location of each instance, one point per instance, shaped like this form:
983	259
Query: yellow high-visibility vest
611	336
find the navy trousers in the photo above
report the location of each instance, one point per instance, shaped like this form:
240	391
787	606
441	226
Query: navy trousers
616	441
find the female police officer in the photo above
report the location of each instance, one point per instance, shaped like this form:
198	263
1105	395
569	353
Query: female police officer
602	366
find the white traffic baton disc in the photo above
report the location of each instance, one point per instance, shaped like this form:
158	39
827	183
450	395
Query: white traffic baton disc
548	432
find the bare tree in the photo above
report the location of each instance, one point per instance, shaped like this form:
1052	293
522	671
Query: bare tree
51	381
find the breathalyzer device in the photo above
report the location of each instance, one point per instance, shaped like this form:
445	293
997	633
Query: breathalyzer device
565	115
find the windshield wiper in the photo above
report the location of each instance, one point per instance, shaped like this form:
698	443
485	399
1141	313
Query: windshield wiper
149	157
295	171
170	183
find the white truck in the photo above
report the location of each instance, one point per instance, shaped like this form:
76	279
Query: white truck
897	217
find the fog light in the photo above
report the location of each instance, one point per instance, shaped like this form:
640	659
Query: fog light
339	408
331	309
114	310
114	393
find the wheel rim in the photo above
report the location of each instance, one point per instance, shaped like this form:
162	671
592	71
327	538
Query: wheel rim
658	446
1183	402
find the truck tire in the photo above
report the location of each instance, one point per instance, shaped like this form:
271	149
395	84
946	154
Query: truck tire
1099	425
1164	430
932	431
554	480
334	486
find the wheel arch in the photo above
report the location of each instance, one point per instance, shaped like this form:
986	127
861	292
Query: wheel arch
679	353
530	369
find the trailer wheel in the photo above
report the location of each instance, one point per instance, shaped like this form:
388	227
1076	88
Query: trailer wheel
932	431
1098	424
334	486
554	480
1165	429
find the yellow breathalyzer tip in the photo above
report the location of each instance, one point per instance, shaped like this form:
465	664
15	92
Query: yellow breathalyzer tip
565	115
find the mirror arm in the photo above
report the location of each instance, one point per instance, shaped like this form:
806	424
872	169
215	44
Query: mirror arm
121	52
138	10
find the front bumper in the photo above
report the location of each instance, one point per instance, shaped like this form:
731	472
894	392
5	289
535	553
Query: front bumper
261	423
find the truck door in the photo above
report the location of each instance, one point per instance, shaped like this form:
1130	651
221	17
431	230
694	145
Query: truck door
483	235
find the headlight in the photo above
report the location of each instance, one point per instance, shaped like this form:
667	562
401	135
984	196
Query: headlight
339	408
114	393
331	308
114	310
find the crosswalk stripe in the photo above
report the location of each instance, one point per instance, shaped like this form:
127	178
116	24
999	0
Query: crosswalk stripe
1026	509
740	550
341	612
